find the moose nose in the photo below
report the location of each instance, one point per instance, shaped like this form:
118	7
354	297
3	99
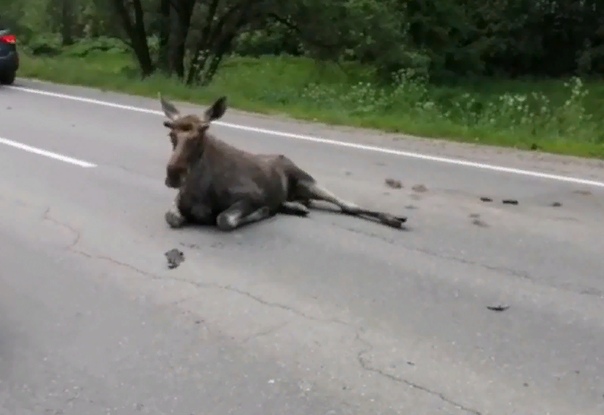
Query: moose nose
170	183
173	176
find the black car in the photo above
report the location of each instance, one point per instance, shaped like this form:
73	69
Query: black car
9	57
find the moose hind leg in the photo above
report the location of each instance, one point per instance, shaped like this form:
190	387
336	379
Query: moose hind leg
239	214
312	190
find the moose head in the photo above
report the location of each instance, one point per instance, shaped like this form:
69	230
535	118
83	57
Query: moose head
187	135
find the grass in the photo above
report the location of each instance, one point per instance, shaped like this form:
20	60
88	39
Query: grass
551	116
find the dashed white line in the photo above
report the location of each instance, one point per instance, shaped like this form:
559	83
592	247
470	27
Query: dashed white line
383	150
46	153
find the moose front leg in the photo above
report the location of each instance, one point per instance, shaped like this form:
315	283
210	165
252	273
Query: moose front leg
183	211
173	217
239	214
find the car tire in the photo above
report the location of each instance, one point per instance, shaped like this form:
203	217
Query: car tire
8	78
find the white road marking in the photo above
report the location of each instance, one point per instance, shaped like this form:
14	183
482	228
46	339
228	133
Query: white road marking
46	153
383	150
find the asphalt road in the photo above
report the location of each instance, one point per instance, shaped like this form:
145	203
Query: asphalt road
324	315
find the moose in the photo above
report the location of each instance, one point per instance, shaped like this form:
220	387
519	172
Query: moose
222	185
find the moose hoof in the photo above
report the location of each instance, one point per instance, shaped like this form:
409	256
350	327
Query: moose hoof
303	210
174	219
226	222
392	221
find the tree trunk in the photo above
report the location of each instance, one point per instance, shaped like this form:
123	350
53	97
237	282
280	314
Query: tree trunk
180	24
210	32
67	22
220	51
137	34
163	59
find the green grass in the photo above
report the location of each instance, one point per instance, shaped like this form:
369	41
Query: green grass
552	116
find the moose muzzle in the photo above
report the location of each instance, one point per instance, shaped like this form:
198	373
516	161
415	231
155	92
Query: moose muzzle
175	176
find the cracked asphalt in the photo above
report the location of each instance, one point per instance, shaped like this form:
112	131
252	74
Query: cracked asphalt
324	315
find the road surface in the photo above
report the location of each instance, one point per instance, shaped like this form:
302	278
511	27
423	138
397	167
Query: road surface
324	315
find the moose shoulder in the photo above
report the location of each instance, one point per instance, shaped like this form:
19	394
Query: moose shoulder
219	184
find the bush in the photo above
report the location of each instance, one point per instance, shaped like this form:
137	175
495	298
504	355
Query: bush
84	47
44	45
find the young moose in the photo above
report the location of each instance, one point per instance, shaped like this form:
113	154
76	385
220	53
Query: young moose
222	185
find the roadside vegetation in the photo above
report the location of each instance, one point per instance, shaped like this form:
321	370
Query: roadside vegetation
509	73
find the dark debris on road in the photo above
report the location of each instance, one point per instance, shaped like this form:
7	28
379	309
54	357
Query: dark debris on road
175	257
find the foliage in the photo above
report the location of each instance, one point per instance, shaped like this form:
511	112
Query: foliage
444	39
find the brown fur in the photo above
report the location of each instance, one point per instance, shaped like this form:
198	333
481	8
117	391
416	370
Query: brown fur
223	185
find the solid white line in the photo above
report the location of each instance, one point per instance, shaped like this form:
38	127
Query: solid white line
383	150
46	153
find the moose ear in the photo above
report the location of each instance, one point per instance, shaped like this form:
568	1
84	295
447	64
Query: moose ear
217	109
169	109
